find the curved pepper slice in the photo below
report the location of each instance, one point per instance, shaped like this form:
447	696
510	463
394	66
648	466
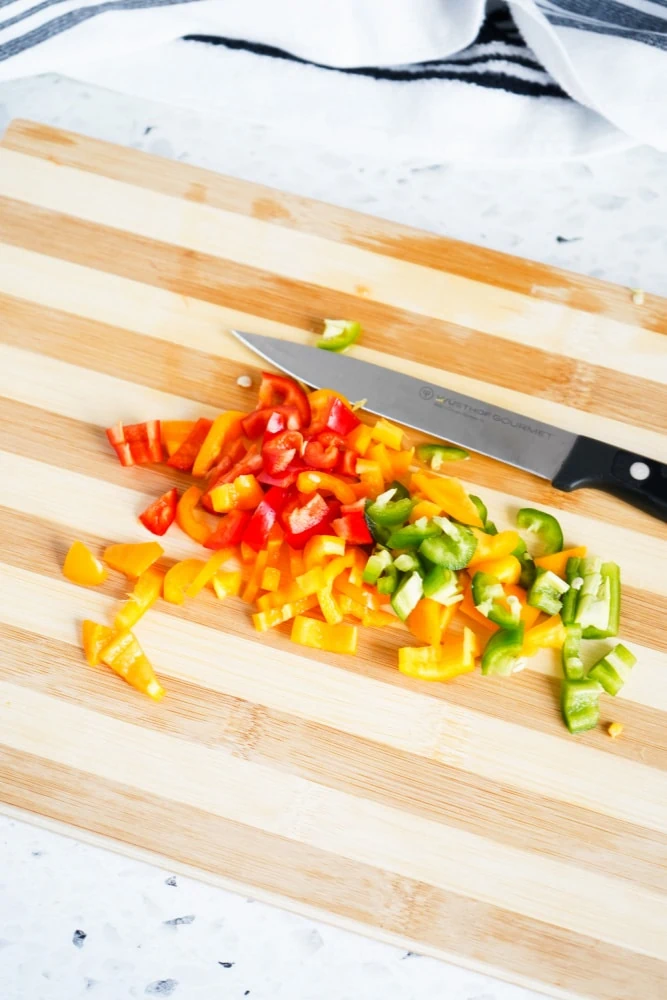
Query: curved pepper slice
436	455
95	638
161	514
279	390
146	591
548	532
190	519
503	651
493	546
225	428
133	559
450	494
82	567
492	601
184	458
310	481
126	657
207	572
551	634
339	334
453	548
179	577
244	493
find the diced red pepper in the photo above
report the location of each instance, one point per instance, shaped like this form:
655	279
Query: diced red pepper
256	423
185	457
230	530
231	454
317	456
341	419
347	463
279	390
247	465
265	516
280	450
161	514
285	479
353	528
137	444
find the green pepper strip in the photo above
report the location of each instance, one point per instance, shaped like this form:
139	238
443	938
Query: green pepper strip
339	334
453	548
546	592
407	595
571	597
388	581
614	669
435	455
376	564
528	568
492	602
503	652
389	513
580	704
412	535
480	506
573	666
600	615
544	526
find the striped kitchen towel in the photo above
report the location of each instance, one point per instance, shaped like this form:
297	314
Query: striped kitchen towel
415	80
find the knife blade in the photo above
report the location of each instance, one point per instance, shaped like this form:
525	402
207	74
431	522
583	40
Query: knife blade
569	461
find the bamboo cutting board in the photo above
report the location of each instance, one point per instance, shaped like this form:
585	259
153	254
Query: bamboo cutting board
461	820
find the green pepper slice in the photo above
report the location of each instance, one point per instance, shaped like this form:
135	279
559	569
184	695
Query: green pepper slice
491	601
614	669
435	455
339	334
573	665
503	652
528	568
441	585
453	547
574	581
406	596
388	580
545	527
377	562
546	592
480	507
412	535
598	612
580	704
387	512
407	562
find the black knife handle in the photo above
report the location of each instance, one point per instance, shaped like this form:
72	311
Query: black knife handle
638	480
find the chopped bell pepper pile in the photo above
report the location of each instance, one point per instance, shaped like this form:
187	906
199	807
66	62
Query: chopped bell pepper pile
327	523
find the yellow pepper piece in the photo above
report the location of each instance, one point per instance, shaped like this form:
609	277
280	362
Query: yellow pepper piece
425	621
557	562
179	577
436	663
95	638
190	519
329	606
378	453
367	616
364	595
174	433
82	567
359	439
270	579
146	591
425	508
357	568
551	634
320	548
207	572
507	569
264	620
450	494
226	427
248	554
615	729
126	657
401	462
296	562
244	493
388	433
339	638
133	559
227	584
313	480
493	546
252	586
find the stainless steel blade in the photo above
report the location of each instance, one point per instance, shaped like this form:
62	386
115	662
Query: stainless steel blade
510	437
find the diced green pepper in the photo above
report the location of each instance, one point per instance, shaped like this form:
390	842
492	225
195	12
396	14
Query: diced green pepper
401	492
580	704
480	506
599	613
388	580
613	670
570	598
453	547
377	562
339	334
407	562
406	596
492	602
503	652
573	665
441	584
546	591
545	527
435	455
412	535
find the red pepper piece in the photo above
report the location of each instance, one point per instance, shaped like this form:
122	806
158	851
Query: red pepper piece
247	465
353	528
285	479
280	450
347	463
185	457
279	390
265	516
231	454
256	423
230	530
341	419
317	456
137	444
161	514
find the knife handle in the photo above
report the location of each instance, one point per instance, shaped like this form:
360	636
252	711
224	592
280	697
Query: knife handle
635	479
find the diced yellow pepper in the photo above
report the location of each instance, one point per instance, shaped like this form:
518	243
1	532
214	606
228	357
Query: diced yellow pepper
378	453
320	548
126	657
493	546
82	567
95	638
244	493
425	508
252	586
264	620
133	559
387	433
507	569
401	462
179	577
551	634
146	591
339	638
450	494
226	427
440	663
208	571
329	606
370	474
270	579
359	439
227	584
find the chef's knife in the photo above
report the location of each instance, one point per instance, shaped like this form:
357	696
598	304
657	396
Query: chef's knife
567	460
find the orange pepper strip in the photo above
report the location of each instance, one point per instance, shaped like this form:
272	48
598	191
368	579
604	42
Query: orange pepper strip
95	638
226	427
82	567
174	433
401	462
339	638
357	568
190	519
264	620
388	434
133	559
208	571
364	595
370	474
244	493
252	586
450	494
146	591
126	657
425	508
378	453
313	480
227	584
493	546
359	439
551	634
507	569
329	606
557	562
296	562
179	577
320	548
361	490
425	621
248	554
270	579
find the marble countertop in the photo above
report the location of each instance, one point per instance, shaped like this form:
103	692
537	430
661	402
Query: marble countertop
78	921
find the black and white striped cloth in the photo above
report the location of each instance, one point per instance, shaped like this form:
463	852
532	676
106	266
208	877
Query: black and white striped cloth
417	79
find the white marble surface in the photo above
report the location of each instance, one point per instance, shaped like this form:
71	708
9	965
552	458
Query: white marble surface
77	921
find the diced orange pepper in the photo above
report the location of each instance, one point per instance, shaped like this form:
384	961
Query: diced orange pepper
226	427
387	433
303	586
557	562
339	638
425	508
146	591
493	546
264	620
252	586
378	453
248	554
450	494
274	545
551	634
270	579
425	621
370	474
133	559
95	638
313	480
362	490
207	572
126	657
178	578
227	584
359	439
365	595
174	433
440	663
296	562
329	606
357	568
190	518
507	569
82	567
448	615
401	462
244	493
320	548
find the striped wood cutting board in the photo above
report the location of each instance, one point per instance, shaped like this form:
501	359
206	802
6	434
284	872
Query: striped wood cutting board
461	820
